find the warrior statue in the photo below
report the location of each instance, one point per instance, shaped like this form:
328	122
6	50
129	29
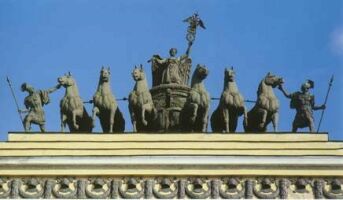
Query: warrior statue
303	102
171	70
34	103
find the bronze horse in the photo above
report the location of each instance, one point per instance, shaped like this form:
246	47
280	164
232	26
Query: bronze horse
231	106
73	112
105	105
141	106
195	114
266	107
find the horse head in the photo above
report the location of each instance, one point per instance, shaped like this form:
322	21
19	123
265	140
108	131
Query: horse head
273	80
66	80
201	71
266	107
229	75
105	74
138	73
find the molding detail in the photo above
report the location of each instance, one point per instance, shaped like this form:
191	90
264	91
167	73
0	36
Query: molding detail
266	188
5	188
165	188
169	187
333	189
232	188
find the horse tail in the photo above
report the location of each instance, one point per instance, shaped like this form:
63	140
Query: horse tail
119	121
215	121
85	122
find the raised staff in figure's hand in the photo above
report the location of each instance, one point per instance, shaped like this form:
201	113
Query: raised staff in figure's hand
303	102
194	21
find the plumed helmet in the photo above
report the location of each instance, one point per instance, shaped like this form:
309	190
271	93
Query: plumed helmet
307	85
23	86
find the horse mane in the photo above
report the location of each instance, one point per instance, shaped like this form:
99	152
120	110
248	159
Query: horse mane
105	98
266	98
71	101
199	75
140	92
226	81
231	89
260	87
194	76
142	81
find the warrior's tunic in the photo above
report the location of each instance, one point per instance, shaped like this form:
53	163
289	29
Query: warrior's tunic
303	103
35	103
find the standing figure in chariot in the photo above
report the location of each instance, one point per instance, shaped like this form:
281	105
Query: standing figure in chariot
171	70
170	73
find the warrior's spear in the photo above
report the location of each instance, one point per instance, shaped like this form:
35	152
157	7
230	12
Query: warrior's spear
326	99
15	100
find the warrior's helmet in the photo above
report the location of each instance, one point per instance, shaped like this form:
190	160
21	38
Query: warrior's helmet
307	85
25	87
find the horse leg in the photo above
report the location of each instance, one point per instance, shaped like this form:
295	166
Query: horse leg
133	118
264	119
134	126
144	121
205	120
233	123
95	112
74	114
63	121
275	120
226	120
194	108
245	120
113	112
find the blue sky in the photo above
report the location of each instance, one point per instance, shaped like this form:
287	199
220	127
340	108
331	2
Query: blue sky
43	39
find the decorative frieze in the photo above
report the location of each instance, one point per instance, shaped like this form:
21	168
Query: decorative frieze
170	187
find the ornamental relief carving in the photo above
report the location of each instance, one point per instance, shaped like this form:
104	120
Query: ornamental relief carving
171	187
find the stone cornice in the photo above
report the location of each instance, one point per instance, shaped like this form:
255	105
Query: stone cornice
56	165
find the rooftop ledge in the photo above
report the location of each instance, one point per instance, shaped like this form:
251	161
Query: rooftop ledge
186	154
195	144
155	137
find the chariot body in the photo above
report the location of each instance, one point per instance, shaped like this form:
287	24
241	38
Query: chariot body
170	90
